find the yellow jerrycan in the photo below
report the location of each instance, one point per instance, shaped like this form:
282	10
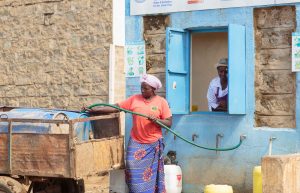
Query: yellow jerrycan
257	180
218	189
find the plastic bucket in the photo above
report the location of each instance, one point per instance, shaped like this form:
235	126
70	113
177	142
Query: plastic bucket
218	189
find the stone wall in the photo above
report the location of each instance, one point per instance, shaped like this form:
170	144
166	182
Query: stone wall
275	84
155	40
54	53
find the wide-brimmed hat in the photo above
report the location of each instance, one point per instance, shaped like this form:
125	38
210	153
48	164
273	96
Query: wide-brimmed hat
222	62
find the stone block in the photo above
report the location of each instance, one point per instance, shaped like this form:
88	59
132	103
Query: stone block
23	80
268	105
99	89
275	121
273	38
94	76
60	102
81	90
274	59
155	44
275	17
155	24
275	82
156	63
281	173
44	102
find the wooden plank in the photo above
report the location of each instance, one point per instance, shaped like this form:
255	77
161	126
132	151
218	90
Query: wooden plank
99	155
97	183
72	151
34	121
40	155
4	153
110	116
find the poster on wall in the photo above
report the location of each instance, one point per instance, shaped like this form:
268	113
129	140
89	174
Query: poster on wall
135	59
142	7
296	52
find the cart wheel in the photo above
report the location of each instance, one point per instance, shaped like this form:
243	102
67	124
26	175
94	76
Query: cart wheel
10	185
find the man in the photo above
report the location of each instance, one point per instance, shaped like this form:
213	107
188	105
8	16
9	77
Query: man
217	93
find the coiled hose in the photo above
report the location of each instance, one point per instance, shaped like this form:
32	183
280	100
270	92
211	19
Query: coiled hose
167	128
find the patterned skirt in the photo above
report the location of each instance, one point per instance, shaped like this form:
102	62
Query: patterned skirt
145	167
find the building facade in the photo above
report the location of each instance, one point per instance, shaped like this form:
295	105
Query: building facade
182	48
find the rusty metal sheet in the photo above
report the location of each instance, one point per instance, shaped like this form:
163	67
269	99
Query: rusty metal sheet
3	153
40	155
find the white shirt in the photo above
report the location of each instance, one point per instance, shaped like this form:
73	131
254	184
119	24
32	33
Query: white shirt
212	91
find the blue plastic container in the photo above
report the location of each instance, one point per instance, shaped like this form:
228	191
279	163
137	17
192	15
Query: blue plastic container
81	129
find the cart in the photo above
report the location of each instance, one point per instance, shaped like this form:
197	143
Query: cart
57	153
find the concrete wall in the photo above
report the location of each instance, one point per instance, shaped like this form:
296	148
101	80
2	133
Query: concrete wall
201	167
54	53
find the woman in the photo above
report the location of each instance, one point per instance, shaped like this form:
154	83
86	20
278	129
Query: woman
144	161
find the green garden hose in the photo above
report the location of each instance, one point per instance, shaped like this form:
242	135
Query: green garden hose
164	126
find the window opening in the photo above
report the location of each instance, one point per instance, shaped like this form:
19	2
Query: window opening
207	48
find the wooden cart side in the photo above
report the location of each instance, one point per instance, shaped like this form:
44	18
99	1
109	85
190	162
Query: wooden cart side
99	156
58	155
40	155
4	168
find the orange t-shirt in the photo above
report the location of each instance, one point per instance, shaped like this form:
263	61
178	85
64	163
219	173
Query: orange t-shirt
144	130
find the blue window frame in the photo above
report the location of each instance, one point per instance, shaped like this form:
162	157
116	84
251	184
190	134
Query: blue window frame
178	69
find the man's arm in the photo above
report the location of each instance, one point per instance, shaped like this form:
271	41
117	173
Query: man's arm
211	98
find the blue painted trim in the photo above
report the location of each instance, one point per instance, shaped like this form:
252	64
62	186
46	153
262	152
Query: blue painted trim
188	60
209	113
216	29
175	29
186	73
167	61
135	42
237	66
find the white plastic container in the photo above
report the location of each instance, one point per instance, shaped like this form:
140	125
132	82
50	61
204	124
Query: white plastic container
173	178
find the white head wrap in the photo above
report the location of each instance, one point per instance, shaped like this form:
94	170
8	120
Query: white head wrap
151	80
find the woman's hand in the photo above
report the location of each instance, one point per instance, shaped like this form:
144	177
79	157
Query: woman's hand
152	118
85	109
167	122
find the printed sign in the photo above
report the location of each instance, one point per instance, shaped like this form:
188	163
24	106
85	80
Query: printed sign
142	7
135	60
296	52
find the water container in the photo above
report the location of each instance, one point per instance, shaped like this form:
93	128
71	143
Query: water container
81	129
173	178
218	189
257	180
